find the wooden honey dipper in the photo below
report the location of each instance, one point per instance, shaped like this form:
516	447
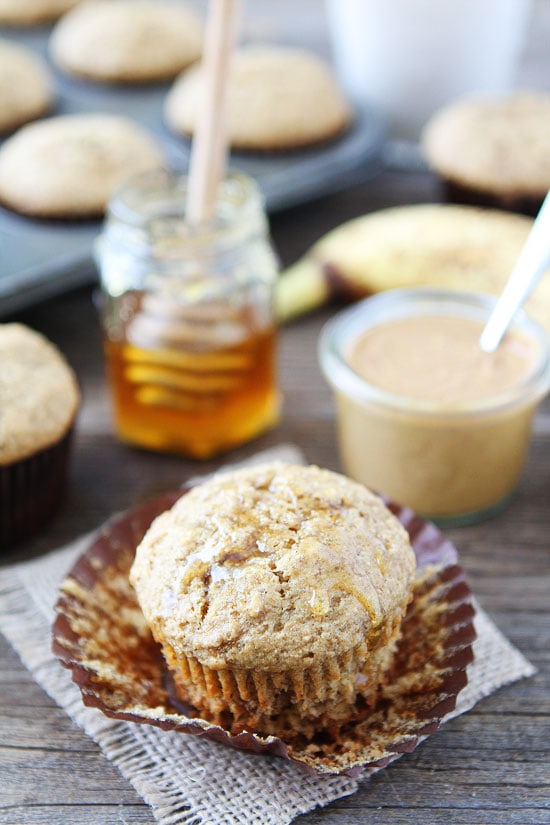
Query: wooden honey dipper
185	355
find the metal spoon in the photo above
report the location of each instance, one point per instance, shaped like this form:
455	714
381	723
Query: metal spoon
533	260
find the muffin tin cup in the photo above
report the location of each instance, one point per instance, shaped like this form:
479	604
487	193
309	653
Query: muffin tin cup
100	634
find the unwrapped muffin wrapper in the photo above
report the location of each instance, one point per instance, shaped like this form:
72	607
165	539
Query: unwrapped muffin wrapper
101	635
280	703
524	203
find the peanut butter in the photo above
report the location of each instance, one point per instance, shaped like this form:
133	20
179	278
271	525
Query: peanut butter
425	416
438	359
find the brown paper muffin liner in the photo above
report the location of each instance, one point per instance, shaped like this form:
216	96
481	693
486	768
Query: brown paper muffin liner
311	698
102	636
526	204
31	491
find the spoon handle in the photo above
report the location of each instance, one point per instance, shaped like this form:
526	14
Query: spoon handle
532	262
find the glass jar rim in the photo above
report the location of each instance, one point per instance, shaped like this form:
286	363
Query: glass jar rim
146	218
161	181
340	330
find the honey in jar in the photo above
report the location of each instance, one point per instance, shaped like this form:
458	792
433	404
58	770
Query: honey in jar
190	342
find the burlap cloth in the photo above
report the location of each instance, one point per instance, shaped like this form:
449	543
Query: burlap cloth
183	778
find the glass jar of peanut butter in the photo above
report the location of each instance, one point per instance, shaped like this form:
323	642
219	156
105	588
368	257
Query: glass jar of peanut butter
187	315
425	416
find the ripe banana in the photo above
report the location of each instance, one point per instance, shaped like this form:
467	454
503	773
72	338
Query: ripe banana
459	247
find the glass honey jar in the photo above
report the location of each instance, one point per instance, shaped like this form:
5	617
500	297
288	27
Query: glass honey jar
189	334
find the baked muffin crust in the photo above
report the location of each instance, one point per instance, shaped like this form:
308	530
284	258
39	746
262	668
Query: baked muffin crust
278	98
68	166
127	41
493	144
272	568
38	393
32	12
26	90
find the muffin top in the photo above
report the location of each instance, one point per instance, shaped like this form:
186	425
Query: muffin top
38	393
272	568
31	12
68	166
127	40
278	98
499	145
25	86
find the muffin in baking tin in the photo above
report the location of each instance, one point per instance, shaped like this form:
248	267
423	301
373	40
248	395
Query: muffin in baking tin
32	12
26	88
492	151
67	167
127	41
279	98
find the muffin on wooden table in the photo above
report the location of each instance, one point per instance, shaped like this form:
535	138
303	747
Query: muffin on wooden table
277	595
39	398
493	151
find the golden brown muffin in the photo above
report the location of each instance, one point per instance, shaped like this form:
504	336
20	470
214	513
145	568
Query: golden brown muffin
68	167
277	594
38	403
493	151
25	86
278	98
128	41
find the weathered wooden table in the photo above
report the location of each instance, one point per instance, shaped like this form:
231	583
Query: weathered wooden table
488	766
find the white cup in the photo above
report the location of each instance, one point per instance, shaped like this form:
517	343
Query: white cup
409	57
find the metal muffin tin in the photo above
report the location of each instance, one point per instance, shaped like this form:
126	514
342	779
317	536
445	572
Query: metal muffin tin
40	258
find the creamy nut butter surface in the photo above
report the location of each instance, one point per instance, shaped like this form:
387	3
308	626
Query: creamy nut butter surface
424	416
437	437
438	359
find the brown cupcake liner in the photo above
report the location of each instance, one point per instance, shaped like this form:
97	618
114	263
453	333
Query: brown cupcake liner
101	635
31	491
455	192
274	703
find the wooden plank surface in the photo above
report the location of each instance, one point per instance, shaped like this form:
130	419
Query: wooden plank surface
488	766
